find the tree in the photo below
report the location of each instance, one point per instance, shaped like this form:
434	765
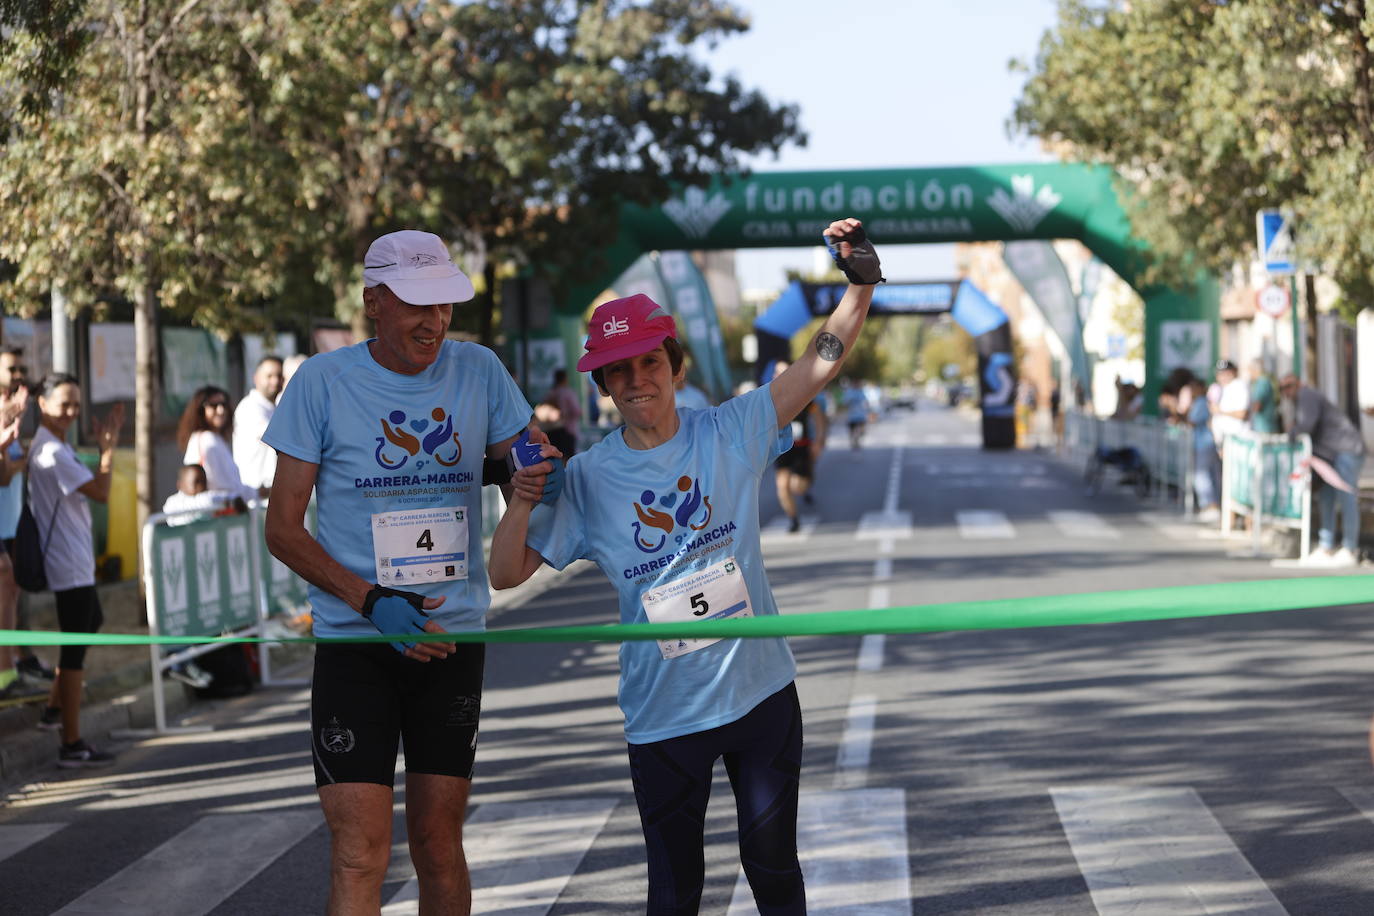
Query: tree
205	157
42	42
514	129
149	177
1212	110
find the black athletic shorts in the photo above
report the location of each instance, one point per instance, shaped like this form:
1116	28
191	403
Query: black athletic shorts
366	696
78	611
796	459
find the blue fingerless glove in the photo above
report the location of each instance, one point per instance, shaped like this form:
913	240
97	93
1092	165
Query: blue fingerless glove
524	453
393	611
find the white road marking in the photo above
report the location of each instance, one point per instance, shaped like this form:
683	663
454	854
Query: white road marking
1157	850
1083	525
878	596
871	652
853	849
199	868
520	854
18	837
877	526
882	568
983	524
856	746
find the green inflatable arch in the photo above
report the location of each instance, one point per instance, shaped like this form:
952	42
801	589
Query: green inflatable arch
960	204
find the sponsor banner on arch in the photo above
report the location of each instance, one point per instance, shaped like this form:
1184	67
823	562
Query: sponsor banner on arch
897	206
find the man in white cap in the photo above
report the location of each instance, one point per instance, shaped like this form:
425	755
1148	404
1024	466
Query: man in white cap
391	435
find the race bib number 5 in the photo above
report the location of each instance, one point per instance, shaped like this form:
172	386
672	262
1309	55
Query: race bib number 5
715	593
420	545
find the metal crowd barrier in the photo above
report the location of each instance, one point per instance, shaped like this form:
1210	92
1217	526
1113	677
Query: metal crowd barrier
1264	479
213	576
1166	451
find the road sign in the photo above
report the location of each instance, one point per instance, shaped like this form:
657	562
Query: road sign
1272	300
1274	229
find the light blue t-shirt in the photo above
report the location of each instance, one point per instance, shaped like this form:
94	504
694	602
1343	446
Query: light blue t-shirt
652	516
12	496
387	442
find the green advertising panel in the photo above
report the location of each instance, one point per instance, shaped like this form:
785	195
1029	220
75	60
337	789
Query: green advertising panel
1276	462
906	206
202	575
287	592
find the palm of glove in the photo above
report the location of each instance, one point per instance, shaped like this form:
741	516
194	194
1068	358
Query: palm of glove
862	266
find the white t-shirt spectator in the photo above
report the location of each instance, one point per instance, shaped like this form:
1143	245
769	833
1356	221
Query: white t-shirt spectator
210	451
187	507
61	511
257	463
1235	396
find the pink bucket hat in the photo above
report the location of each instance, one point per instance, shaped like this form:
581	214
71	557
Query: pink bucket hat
623	328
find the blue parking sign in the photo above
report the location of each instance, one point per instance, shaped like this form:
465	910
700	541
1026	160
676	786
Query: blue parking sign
1275	235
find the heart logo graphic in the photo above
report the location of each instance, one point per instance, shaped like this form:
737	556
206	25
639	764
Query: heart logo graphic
419	425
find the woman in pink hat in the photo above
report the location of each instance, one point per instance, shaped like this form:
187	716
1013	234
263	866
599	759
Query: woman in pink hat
667	506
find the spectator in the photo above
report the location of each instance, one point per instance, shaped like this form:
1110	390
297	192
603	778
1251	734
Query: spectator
194	498
689	395
1336	441
289	367
60	486
21	672
564	399
1129	400
1170	395
257	462
1232	404
204	433
1206	463
1264	400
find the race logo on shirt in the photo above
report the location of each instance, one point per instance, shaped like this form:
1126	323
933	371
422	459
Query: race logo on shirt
417	441
682	506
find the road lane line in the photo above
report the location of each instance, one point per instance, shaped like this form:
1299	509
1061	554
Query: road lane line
871	652
881	525
983	524
882	569
199	868
16	838
520	854
853	849
856	746
1157	850
1082	525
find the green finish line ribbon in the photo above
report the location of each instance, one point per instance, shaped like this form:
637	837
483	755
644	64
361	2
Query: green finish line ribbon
1135	605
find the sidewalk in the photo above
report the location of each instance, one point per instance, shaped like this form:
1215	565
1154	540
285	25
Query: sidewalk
119	691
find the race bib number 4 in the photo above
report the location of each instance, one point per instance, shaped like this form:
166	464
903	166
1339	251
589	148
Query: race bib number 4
715	593
420	545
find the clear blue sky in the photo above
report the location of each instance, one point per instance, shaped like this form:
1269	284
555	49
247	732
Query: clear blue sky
887	83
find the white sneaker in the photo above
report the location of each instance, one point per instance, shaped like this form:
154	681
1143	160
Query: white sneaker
1210	514
1344	558
1317	559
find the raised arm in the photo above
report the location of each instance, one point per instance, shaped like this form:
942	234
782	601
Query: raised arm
818	366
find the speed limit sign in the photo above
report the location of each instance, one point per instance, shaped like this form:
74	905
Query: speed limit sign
1272	300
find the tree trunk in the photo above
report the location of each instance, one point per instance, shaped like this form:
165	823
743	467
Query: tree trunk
145	397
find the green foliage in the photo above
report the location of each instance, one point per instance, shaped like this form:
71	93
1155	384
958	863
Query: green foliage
222	155
946	344
1212	110
42	41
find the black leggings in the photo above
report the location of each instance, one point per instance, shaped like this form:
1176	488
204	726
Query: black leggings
672	782
78	611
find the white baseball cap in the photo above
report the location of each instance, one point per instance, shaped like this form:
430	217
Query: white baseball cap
417	267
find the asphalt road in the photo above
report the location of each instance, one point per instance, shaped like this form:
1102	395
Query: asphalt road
1212	765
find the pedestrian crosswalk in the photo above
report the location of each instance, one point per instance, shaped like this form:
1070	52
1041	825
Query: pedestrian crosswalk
1137	848
1071	525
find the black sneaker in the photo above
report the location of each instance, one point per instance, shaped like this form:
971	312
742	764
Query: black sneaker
81	754
794	526
51	719
35	666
